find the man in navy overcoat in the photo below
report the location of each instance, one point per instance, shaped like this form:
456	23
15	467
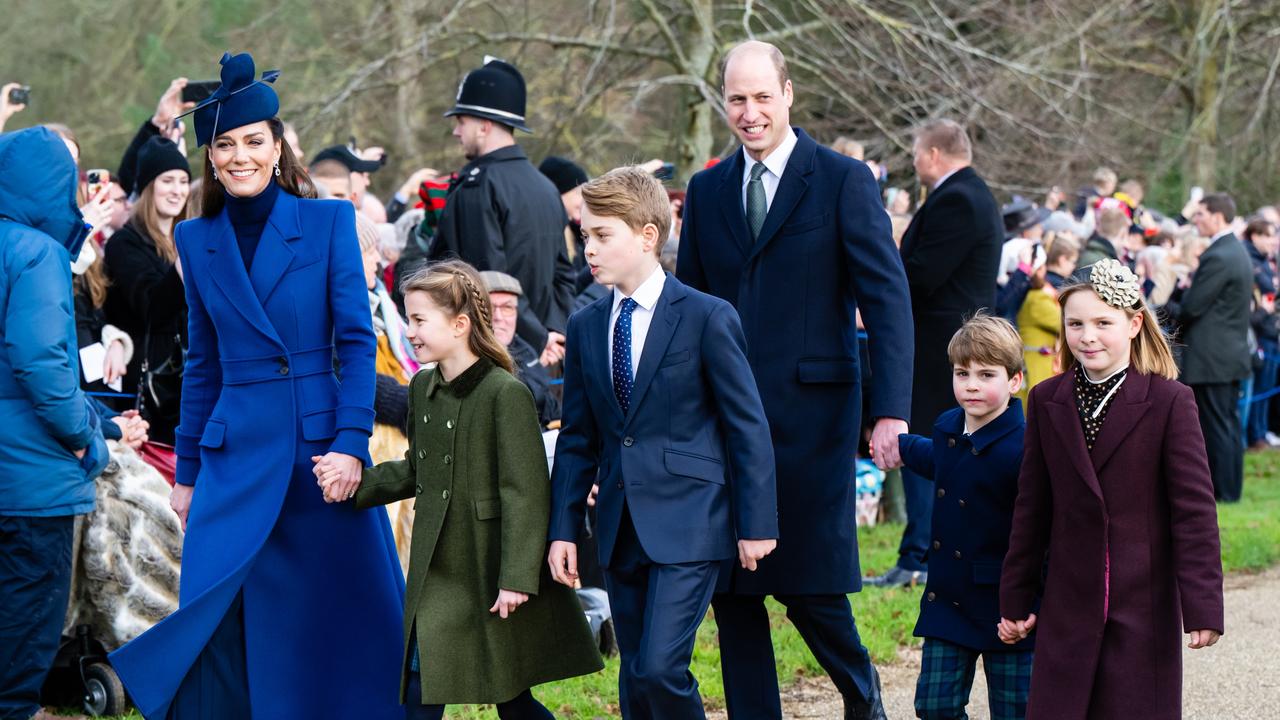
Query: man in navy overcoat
795	236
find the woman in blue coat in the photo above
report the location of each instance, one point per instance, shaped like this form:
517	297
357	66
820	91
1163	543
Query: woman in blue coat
289	607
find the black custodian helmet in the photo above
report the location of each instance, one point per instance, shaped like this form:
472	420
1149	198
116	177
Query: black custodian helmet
494	91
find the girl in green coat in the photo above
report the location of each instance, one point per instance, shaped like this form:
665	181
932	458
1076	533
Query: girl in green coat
483	620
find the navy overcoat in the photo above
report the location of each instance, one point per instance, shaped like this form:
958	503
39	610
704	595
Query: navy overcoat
323	590
976	481
824	251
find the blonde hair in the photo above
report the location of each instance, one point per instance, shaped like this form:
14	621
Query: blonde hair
634	197
146	218
948	136
456	288
1149	352
987	340
849	147
1112	221
366	233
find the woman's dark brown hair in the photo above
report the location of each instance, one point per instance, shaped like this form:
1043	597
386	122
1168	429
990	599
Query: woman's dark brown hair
293	177
1258	226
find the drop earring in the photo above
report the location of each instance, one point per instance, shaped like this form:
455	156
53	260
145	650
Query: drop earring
277	168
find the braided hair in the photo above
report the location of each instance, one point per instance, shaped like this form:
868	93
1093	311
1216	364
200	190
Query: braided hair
455	287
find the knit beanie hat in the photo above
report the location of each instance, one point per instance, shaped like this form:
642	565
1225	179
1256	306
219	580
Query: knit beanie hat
562	173
157	156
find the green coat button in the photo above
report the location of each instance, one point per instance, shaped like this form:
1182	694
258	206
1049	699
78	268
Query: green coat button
449	424
422	454
448	459
419	489
445	495
426	419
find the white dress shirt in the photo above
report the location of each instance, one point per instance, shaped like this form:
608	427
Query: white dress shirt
646	297
944	178
775	162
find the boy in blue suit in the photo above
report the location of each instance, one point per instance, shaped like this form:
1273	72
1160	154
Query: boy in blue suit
973	459
662	411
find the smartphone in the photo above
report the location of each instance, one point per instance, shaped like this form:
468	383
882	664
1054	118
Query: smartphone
97	179
20	95
199	91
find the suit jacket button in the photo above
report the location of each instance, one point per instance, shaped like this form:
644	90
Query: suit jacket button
961	503
931	597
444	495
957	553
941	492
975	451
937	545
956	603
951	442
619	484
628	442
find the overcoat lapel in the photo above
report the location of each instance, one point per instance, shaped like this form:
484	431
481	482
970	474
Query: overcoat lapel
1064	417
274	251
791	188
735	215
657	340
1122	417
227	269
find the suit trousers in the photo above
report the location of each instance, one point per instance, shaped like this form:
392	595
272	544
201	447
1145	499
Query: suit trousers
913	551
35	585
656	610
1220	423
746	649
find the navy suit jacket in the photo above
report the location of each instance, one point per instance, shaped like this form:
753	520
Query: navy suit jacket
691	459
977	483
824	251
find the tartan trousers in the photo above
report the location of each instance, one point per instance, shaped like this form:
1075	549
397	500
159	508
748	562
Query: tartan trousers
946	677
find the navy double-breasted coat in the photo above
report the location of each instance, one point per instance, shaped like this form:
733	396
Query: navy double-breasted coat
280	368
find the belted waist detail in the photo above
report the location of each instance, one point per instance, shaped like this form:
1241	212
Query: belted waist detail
278	367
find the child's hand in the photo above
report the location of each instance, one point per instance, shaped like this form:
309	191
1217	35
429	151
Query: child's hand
563	559
507	602
337	475
1203	638
1011	631
750	551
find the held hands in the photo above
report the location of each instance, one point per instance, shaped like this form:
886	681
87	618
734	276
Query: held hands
752	551
884	442
338	475
507	602
563	559
1011	631
1203	638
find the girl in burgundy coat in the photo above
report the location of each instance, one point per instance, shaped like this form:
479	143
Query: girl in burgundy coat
1115	487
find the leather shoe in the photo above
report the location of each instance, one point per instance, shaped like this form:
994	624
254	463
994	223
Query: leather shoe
869	708
899	577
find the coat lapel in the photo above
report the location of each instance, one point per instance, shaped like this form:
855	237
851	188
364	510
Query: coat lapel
735	215
791	188
661	330
1061	409
1124	414
227	269
274	252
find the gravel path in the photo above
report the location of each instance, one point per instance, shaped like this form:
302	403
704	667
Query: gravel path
1237	678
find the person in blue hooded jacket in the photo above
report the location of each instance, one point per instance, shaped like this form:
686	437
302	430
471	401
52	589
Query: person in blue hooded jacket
52	447
290	605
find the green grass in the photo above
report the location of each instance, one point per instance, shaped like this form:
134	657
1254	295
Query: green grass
1250	543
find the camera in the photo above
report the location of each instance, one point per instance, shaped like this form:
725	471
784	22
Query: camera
20	95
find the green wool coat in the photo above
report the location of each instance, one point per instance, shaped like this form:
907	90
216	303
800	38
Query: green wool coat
478	470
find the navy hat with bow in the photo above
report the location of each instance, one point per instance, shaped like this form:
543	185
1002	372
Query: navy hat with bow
240	100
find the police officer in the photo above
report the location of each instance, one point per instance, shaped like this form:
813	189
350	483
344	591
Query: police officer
501	213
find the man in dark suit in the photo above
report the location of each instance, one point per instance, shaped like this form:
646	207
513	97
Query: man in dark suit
660	409
951	252
795	236
1215	315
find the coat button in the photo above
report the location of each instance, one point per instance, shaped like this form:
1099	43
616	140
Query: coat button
941	492
619	484
449	424
444	495
955	603
448	459
284	369
975	451
628	442
937	545
931	597
951	442
961	503
419	489
426	419
957	554
422	454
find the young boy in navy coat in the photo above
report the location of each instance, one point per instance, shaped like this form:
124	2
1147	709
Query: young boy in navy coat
973	459
661	411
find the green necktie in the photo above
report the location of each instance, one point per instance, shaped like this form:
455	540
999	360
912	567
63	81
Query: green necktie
757	206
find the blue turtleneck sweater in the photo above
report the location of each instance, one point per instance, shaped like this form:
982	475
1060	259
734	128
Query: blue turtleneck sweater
248	217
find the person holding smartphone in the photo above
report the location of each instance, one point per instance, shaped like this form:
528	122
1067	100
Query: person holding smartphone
163	123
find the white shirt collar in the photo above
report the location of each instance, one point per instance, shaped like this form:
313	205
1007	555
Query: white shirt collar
944	178
1223	232
775	161
646	296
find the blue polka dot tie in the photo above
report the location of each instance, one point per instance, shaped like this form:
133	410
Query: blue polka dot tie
622	379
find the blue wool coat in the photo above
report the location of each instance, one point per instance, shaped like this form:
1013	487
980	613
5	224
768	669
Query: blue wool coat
46	416
323	590
977	483
824	251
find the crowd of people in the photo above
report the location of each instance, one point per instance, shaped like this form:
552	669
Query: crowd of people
212	319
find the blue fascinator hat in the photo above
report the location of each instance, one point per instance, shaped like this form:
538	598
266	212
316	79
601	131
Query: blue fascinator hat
240	100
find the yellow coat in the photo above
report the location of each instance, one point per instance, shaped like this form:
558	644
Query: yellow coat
1040	324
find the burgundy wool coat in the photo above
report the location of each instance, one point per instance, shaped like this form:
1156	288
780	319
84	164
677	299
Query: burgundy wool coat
1131	532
